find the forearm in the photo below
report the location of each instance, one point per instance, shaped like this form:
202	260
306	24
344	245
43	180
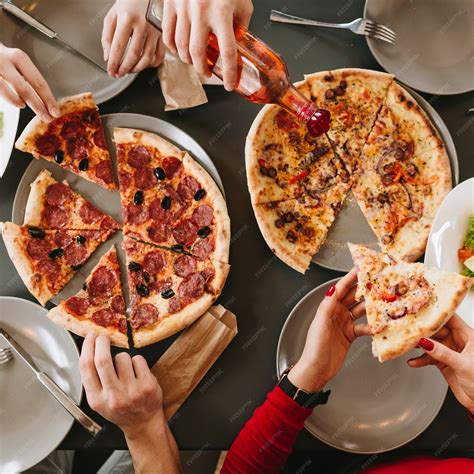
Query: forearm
154	449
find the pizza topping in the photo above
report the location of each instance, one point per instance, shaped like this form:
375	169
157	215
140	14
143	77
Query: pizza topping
387	239
77	305
134	267
185	232
203	215
55	216
38	249
202	248
284	121
138	198
77	147
188	187
192	287
142	290
167	294
166	203
58	156
291	236
138	157
399	313
57	194
90	214
330	94
343	84
84	164
154	262
176	304
204	232
146	277
47	144
199	194
118	304
382	198
104	171
171	165
75	254
157	213
144	178
411	169
49	268
159	232
184	266
102	282
108	223
400	289
136	214
299	176
177	248
55	253
143	315
104	318
36	233
159	173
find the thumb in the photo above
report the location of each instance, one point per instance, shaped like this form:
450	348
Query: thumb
441	353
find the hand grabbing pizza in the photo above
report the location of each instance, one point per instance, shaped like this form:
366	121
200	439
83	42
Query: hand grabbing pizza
22	84
129	396
129	42
453	354
330	336
186	26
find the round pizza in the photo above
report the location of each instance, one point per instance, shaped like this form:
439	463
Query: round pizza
380	145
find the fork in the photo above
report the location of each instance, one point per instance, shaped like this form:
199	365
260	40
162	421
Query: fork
5	355
361	26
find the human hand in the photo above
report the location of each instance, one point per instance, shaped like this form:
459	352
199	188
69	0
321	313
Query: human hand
330	335
125	21
453	354
186	26
22	84
127	394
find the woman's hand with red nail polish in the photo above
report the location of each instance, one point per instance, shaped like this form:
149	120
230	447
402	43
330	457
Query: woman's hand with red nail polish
452	351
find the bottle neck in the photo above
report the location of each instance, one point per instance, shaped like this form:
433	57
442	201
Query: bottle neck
297	104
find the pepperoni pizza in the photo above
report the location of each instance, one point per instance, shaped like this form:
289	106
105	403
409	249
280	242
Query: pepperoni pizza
75	140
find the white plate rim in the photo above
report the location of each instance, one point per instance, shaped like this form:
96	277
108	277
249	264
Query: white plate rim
333	445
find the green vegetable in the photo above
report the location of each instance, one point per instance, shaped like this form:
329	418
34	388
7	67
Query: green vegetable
469	240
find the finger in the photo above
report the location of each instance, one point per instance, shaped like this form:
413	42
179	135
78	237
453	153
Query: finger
421	361
9	95
443	333
119	45
168	25
441	353
362	330
198	41
134	51
345	284
108	31
350	300
457	323
150	50
141	367
124	367
244	15
30	72
224	31
358	310
160	54
183	29
89	376
103	362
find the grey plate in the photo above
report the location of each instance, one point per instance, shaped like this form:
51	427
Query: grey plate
79	23
351	225
108	201
373	407
434	50
33	423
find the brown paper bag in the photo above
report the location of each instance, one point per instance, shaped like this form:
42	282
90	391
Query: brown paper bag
189	358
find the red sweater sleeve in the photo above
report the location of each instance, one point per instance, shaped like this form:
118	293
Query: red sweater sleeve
268	437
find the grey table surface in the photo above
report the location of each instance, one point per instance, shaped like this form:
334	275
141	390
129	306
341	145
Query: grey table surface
261	290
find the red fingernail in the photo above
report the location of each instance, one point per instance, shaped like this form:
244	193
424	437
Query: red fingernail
331	290
426	344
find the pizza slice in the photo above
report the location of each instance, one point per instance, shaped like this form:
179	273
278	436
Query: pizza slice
54	205
100	306
46	260
353	97
404	301
75	140
168	290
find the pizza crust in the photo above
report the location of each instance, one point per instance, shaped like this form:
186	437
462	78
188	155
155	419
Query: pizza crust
84	326
35	203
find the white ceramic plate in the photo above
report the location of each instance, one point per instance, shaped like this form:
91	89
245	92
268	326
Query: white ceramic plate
434	50
373	407
108	201
32	421
11	116
447	236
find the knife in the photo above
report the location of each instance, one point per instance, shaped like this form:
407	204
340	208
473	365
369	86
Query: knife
42	28
88	423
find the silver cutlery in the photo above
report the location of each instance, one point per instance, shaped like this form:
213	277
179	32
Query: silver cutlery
360	26
5	355
88	423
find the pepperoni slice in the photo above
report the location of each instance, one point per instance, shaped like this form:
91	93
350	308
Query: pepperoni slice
108	223
77	147
203	215
77	305
203	248
118	304
184	266
102	282
185	232
49	269
144	178
72	127
176	304
75	254
57	194
92	117
188	187
192	287
154	262
104	171
55	217
208	274
157	213
125	180
159	232
122	325
143	315
62	238
90	214
135	214
104	318
175	197
138	157
171	165
38	249
161	285
99	139
46	145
